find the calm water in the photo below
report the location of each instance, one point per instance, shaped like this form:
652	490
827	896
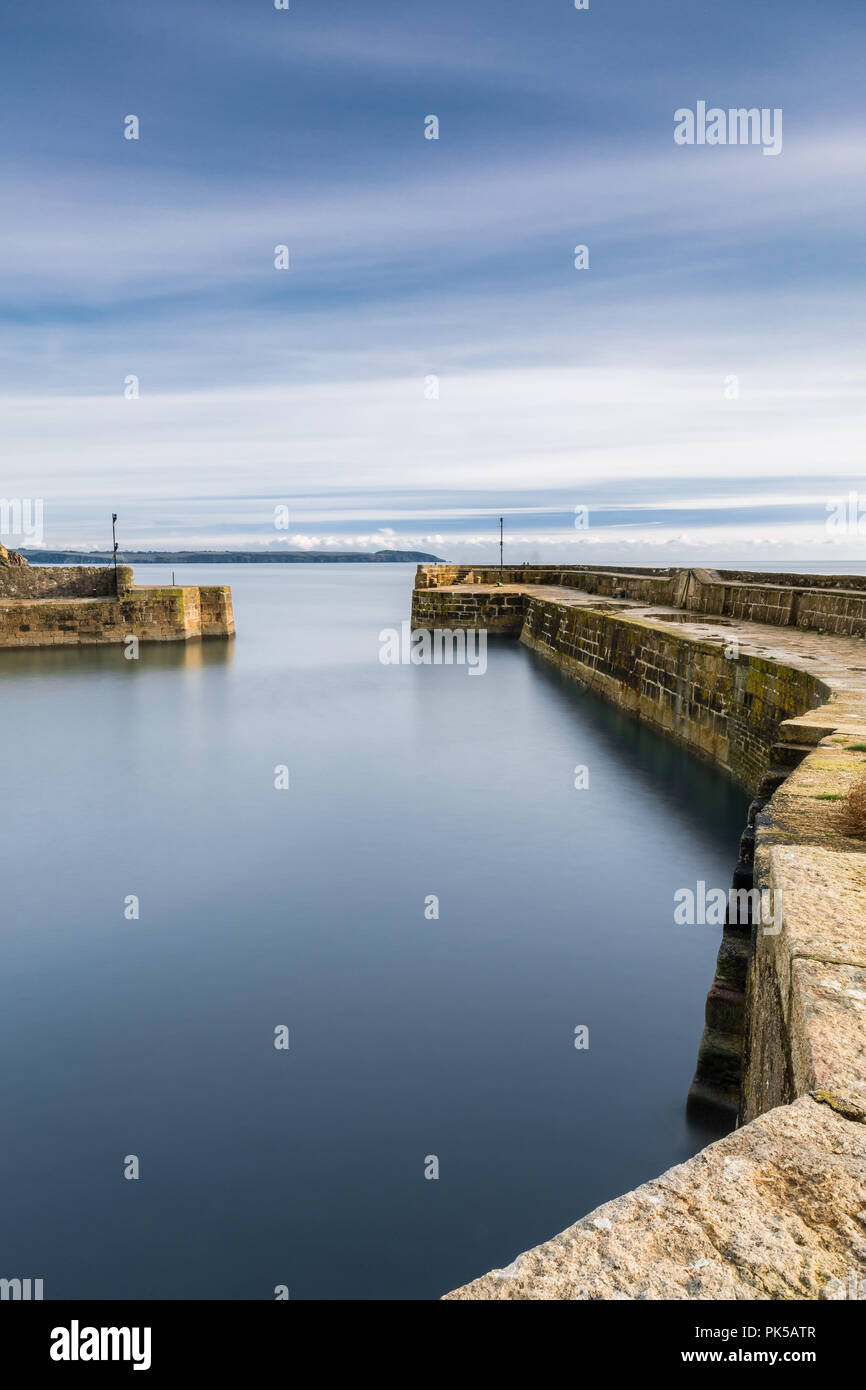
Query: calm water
305	907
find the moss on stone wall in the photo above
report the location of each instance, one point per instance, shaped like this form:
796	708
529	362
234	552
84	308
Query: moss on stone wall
81	605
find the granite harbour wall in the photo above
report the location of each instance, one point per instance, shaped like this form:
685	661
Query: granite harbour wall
61	605
764	674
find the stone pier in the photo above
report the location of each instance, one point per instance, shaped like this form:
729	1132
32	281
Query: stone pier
76	605
766	676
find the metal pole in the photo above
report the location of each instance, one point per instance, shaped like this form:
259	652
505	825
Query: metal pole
500	547
114	540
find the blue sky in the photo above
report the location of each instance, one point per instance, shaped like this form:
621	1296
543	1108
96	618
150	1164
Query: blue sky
607	389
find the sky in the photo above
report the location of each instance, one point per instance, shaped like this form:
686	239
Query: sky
432	359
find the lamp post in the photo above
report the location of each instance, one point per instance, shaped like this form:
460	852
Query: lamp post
500	547
114	542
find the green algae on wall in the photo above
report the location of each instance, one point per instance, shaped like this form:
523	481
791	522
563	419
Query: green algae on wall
727	708
47	605
782	1197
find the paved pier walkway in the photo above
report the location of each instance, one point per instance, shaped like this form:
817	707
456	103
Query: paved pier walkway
777	1209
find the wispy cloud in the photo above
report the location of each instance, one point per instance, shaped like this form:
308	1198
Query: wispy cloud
73	237
538	443
412	258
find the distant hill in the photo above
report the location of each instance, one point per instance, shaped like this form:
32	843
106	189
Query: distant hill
228	557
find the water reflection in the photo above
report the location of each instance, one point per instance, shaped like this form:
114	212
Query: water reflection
306	908
109	659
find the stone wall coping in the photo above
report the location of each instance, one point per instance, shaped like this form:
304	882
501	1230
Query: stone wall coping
768	1212
790	1229
149	612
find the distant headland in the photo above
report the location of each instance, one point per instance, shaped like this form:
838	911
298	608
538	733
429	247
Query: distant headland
228	557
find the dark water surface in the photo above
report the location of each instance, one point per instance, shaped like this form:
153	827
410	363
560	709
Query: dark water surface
261	907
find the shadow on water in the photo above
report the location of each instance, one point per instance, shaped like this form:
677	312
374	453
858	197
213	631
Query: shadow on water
695	792
690	788
110	659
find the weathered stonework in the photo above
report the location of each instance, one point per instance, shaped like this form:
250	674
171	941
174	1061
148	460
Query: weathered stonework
62	605
10	558
770	1212
765	675
821	603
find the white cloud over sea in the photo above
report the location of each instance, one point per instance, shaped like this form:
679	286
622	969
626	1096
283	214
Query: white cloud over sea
656	457
607	388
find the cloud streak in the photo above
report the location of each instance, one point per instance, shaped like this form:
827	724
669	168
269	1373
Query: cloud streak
412	259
